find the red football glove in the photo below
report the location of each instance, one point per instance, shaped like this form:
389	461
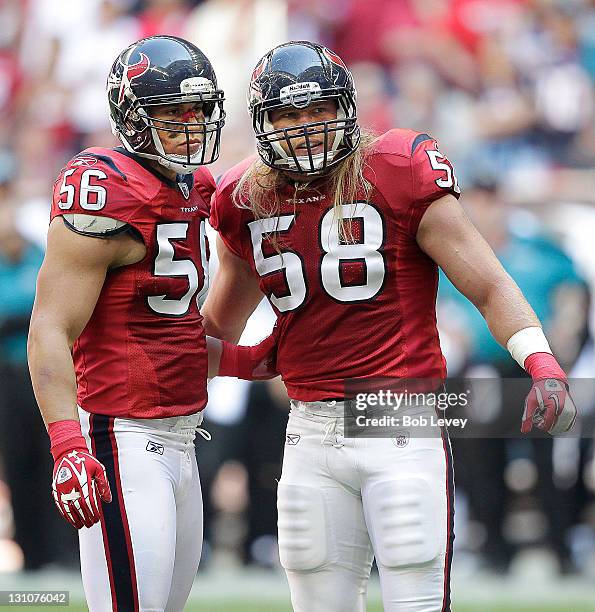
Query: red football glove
548	406
250	362
76	476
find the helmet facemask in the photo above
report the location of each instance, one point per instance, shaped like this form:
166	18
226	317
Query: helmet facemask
340	135
143	134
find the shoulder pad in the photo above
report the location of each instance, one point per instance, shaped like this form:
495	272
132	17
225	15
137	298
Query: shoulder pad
93	225
399	142
123	169
233	175
91	157
418	140
204	183
102	183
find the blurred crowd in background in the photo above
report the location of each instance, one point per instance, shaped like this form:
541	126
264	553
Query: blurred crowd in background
506	87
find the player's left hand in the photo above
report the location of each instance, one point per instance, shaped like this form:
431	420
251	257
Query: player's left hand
549	407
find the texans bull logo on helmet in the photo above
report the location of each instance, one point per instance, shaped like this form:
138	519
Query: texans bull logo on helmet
333	57
131	72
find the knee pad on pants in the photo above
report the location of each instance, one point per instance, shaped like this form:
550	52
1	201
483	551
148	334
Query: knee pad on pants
406	522
302	527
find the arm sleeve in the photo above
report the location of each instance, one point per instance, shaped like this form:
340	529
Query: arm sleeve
432	176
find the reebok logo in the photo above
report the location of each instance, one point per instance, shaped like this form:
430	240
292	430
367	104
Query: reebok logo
153	447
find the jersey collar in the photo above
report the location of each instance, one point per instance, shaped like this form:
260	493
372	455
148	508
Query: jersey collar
183	182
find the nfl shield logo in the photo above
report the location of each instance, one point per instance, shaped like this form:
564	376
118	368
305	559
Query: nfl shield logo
401	439
184	189
63	475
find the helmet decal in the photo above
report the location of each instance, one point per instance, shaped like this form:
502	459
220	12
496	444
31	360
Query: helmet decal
259	69
197	85
132	71
333	57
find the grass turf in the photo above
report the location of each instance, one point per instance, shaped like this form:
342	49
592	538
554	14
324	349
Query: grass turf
270	606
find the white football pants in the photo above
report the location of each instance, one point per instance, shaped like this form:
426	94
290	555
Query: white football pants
143	555
342	501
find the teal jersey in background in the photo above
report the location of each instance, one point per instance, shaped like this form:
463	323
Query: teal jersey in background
17	293
538	266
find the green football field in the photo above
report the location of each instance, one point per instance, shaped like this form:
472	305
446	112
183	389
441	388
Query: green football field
233	589
239	607
268	606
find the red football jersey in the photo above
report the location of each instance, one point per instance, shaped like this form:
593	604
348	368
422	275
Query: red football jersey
356	310
143	352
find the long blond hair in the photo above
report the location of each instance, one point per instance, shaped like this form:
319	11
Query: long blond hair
259	188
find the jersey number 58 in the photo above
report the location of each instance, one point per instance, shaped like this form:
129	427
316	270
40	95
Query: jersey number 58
335	253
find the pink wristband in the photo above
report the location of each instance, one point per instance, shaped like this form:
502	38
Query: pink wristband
544	365
65	436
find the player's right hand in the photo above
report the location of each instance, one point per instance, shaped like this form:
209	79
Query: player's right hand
78	478
549	407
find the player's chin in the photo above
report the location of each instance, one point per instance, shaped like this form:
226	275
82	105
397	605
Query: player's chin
304	151
193	147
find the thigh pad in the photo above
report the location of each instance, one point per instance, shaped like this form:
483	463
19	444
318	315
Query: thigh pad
303	541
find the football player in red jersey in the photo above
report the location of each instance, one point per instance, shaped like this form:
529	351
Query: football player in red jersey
116	330
344	234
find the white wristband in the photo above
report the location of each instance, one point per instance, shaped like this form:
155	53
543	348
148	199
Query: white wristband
527	341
